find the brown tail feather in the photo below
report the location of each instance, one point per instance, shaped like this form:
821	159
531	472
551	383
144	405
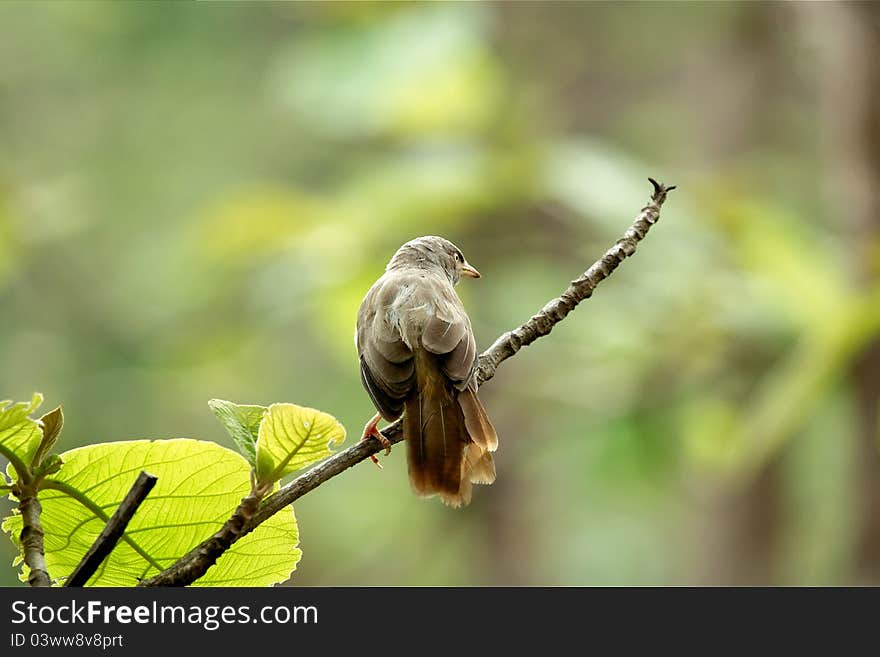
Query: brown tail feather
449	438
479	427
436	437
477	467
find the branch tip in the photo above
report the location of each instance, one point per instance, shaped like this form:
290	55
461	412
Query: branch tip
660	190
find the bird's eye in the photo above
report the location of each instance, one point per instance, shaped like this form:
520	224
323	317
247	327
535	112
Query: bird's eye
458	257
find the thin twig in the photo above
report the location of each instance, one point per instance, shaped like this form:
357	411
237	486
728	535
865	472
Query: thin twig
113	530
196	563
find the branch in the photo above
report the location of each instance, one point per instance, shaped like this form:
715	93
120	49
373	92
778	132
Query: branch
579	289
194	563
31	537
113	530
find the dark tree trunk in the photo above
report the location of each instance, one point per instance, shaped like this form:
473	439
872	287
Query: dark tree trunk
848	40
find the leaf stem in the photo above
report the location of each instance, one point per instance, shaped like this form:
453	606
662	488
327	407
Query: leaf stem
24	473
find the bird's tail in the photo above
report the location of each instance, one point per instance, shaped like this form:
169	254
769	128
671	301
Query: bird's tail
449	439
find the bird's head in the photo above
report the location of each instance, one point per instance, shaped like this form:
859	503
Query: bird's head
432	252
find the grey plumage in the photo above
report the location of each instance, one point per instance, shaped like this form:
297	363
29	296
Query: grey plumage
417	356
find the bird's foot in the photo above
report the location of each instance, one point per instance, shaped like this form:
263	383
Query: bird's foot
371	429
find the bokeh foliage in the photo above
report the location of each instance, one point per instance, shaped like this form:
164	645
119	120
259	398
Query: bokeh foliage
194	199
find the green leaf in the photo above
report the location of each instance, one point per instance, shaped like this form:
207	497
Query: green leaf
293	437
199	485
19	434
51	424
243	424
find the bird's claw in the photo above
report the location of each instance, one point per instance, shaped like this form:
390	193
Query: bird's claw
371	430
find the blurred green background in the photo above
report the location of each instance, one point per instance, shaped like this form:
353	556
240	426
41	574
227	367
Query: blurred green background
194	199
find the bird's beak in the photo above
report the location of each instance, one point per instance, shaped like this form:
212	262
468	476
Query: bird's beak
469	271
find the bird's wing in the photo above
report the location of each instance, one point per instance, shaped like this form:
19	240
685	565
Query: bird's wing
447	332
387	369
399	300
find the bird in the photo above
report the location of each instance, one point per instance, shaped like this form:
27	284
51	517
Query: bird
418	360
